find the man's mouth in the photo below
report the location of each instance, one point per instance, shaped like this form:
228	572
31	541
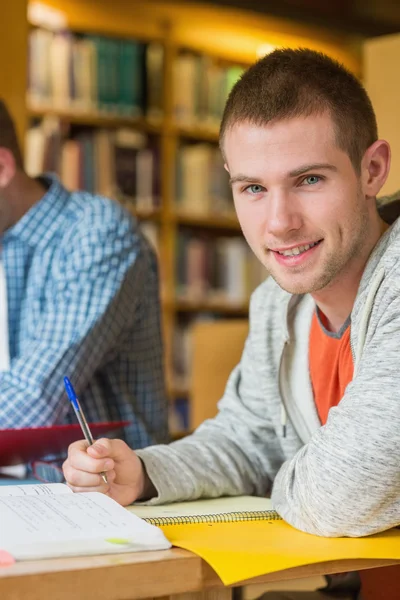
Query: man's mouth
296	250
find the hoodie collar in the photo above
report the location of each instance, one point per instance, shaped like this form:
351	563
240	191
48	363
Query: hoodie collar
289	302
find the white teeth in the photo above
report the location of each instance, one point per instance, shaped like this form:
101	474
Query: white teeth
297	250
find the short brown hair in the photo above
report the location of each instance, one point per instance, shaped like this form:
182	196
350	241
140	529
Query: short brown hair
290	83
8	135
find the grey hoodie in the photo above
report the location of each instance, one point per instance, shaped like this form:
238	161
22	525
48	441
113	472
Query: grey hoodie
342	479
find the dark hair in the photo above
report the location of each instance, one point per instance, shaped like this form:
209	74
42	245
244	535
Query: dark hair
8	135
290	83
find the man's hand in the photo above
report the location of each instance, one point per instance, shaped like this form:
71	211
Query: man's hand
125	472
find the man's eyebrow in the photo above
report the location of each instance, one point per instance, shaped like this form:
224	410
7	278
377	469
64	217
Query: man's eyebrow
242	177
312	167
295	173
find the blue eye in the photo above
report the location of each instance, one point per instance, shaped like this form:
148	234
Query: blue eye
312	179
255	188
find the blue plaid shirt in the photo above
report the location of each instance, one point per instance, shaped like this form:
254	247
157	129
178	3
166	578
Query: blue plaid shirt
83	301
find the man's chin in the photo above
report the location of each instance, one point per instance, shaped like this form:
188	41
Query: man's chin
297	286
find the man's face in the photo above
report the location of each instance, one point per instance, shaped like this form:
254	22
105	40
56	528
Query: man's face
298	199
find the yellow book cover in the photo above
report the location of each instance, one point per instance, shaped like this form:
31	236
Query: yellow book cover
243	537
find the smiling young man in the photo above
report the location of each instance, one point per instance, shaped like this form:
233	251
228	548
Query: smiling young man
311	415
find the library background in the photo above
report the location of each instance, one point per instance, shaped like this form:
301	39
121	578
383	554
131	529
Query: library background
124	99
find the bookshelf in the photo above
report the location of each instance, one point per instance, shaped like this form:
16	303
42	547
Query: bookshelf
199	43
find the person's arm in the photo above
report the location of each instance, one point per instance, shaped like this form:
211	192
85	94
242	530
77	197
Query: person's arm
346	480
235	453
98	279
238	452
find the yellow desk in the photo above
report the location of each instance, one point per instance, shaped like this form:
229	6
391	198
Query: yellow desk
140	576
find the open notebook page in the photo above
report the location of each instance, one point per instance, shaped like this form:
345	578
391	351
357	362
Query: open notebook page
72	524
212	506
48	489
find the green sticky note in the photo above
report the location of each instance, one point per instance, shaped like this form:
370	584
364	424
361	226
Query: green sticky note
120	541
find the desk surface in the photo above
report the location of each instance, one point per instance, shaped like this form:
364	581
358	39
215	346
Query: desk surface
138	576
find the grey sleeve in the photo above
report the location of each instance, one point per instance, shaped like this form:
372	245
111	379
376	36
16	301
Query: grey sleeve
235	453
346	480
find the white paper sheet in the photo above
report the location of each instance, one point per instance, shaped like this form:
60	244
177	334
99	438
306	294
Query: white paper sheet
72	524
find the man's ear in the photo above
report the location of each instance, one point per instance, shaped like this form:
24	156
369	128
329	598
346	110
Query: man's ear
375	167
8	167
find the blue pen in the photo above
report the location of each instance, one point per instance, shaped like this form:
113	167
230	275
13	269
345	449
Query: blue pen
80	416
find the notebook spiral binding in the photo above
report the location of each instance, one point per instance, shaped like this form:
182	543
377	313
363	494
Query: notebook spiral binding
233	517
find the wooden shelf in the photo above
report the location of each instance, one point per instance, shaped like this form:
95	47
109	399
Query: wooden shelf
197	132
225	308
93	118
211	221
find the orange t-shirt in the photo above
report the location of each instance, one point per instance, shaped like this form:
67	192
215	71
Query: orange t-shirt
331	366
331	370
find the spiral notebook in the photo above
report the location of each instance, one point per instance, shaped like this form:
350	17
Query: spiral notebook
215	510
243	537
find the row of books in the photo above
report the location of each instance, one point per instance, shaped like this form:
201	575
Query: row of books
201	86
202	183
211	271
68	70
215	269
121	163
95	73
125	163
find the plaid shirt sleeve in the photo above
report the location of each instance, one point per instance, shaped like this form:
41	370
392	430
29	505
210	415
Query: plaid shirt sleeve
95	290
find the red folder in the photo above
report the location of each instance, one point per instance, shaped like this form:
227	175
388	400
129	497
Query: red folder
25	445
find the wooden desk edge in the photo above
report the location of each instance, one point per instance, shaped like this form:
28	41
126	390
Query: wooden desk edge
138	576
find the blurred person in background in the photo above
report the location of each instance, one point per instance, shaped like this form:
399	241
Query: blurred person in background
79	297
